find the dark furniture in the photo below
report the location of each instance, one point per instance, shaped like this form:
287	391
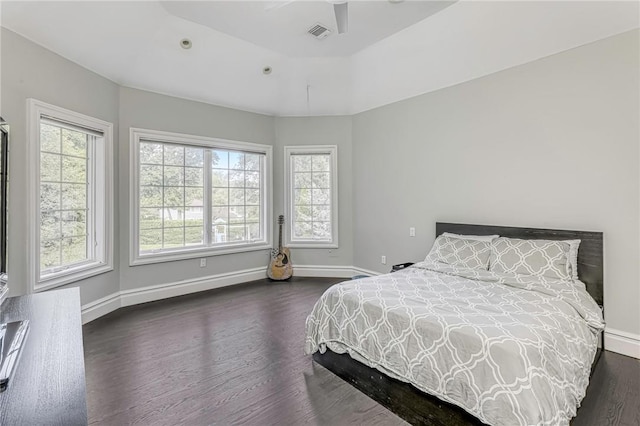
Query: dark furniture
400	266
48	386
417	407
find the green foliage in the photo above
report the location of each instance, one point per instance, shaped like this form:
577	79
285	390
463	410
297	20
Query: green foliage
312	196
62	252
63	196
172	183
155	237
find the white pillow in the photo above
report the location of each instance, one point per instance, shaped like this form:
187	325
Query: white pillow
549	258
462	253
487	238
573	258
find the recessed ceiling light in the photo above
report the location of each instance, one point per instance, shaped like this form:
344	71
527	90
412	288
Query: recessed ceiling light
396	1
266	70
185	43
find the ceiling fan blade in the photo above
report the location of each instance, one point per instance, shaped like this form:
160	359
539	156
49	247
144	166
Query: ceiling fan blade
342	16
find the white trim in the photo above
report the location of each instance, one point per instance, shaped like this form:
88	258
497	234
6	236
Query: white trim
329	271
110	303
101	307
102	209
138	134
72	275
332	151
622	342
362	271
195	253
179	288
121	299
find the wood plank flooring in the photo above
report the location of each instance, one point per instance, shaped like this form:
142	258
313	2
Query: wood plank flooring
234	356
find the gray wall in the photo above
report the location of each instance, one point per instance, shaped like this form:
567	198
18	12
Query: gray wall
159	112
319	131
553	143
30	71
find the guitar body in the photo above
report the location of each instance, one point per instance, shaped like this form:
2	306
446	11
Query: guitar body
280	267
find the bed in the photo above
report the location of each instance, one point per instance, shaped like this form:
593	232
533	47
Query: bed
441	343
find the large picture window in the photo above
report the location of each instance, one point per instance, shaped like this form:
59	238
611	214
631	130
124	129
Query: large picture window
195	196
311	195
72	195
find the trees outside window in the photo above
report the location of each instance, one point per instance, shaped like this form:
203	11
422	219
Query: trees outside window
72	195
197	195
311	195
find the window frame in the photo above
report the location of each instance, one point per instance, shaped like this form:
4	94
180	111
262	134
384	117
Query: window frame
100	177
289	152
137	135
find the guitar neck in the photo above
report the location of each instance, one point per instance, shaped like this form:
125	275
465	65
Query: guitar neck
280	239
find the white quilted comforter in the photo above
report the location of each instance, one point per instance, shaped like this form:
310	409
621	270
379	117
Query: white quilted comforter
509	349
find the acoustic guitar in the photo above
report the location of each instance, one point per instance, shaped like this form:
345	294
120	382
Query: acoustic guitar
280	267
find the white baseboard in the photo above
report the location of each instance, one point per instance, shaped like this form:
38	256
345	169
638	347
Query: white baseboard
362	271
100	307
110	303
622	342
179	288
330	271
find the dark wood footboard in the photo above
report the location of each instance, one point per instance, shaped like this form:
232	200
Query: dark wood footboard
403	399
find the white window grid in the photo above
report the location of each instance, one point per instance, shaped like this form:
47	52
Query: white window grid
97	206
312	192
242	208
250	218
48	183
317	209
177	221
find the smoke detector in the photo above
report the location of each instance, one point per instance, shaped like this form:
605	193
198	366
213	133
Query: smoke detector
319	31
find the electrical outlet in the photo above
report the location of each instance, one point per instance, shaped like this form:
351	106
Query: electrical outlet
412	232
383	260
203	262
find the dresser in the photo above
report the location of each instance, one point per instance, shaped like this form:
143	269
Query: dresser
48	385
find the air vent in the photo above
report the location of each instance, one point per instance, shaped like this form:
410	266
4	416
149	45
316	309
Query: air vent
319	31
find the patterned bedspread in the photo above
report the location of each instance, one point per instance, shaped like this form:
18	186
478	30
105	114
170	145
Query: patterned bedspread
509	349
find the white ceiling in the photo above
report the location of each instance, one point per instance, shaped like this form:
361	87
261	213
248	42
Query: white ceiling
282	26
136	44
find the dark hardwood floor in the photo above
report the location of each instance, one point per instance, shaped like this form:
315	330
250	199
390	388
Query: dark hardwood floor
234	356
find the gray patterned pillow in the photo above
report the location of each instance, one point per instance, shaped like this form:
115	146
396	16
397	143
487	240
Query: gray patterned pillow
531	257
460	252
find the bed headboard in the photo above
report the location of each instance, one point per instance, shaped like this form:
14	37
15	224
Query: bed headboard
590	254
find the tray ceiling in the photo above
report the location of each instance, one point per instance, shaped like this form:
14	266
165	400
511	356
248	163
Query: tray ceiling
392	51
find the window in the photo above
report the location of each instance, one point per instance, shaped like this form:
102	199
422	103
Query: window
194	196
311	195
71	205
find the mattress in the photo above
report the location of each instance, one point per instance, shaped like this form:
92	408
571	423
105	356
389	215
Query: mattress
509	349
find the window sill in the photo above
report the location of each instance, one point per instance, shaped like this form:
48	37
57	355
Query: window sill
147	259
72	275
